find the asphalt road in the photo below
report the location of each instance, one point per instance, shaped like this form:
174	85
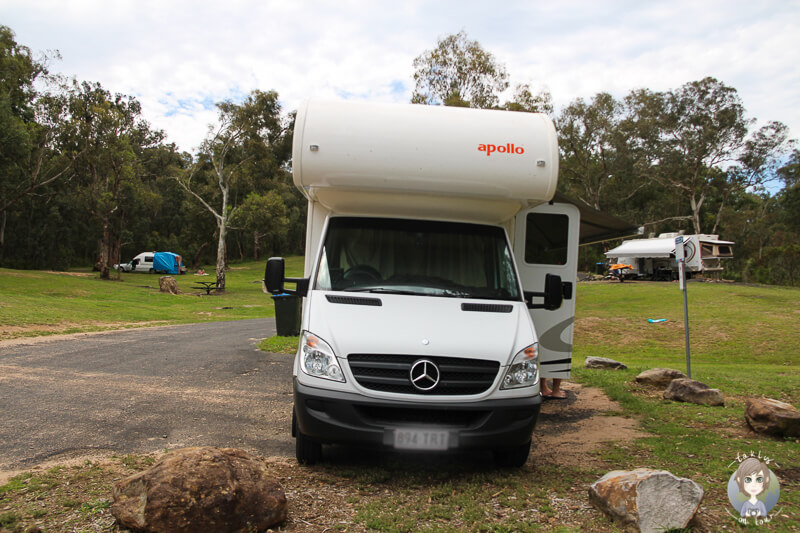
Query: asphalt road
143	390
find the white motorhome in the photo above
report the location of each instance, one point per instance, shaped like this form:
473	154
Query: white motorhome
439	277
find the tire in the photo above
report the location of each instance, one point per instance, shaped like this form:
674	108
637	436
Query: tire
514	457
152	270
307	450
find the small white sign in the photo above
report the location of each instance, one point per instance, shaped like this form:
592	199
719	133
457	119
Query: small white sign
679	255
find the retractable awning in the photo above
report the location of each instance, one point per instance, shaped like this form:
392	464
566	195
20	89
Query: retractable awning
659	248
597	226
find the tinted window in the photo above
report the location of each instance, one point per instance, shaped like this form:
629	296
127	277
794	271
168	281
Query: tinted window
546	238
417	257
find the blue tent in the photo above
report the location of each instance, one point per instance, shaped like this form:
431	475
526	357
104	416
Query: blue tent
167	263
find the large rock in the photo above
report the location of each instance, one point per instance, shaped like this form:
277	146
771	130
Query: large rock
200	489
772	417
603	363
652	500
659	377
691	391
168	284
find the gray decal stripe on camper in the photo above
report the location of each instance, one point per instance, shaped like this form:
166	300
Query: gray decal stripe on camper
556	362
551	339
487	308
353	300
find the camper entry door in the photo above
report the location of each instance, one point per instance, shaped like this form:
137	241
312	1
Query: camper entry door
546	242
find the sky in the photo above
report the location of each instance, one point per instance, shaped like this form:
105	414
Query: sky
179	57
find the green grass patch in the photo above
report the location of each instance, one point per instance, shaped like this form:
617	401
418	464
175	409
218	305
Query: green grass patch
35	303
278	344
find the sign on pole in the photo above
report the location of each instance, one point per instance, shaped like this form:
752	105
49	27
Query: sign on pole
680	257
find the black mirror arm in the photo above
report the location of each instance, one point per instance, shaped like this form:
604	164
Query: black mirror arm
301	289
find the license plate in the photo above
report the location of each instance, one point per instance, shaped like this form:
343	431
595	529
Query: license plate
417	439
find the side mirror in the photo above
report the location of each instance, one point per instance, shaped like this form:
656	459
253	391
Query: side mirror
274	275
553	294
275	278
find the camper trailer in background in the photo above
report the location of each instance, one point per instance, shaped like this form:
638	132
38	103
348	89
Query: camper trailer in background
655	258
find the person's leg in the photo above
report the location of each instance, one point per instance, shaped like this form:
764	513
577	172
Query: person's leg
556	392
544	388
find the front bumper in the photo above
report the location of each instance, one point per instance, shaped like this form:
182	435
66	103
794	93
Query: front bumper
346	418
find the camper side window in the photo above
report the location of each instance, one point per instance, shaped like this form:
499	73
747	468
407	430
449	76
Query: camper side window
546	239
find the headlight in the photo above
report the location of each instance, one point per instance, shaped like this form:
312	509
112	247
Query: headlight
317	358
523	370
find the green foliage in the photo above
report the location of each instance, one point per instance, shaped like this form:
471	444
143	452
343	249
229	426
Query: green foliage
86	181
458	72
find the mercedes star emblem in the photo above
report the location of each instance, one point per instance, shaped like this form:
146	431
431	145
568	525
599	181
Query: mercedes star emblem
424	375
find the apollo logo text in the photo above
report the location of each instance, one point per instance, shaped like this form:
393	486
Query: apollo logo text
508	148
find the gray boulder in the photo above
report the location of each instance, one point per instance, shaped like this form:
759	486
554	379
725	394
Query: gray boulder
772	417
200	489
691	391
659	377
603	363
650	500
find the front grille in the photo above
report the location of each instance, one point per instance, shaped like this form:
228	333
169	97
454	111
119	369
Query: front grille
390	373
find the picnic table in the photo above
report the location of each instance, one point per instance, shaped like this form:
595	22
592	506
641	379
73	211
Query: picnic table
207	286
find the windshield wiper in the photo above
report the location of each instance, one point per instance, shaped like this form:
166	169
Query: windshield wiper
383	290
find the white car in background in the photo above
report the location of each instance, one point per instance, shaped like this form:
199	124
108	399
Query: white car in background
141	263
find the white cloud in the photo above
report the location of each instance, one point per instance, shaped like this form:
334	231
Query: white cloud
179	57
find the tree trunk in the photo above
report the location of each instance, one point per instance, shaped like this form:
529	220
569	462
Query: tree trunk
696	205
256	246
221	258
196	262
105	245
3	233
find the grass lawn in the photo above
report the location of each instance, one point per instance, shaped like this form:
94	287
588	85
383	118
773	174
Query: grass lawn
744	341
34	303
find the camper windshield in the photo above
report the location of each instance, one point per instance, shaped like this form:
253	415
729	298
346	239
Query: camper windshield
417	257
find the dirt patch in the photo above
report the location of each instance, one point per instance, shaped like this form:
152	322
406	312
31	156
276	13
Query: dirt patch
75	274
16	335
571	430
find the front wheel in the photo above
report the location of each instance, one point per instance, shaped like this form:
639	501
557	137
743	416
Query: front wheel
307	450
514	457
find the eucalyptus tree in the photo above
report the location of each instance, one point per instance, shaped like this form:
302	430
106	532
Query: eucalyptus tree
458	72
524	100
697	142
245	136
29	121
262	215
589	140
109	139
